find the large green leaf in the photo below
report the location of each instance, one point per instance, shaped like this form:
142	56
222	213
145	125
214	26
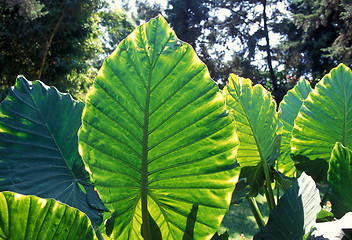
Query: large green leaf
324	119
39	147
254	111
155	130
31	217
289	108
295	212
340	180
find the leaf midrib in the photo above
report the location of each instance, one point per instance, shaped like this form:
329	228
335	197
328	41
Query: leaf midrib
51	135
250	125
144	174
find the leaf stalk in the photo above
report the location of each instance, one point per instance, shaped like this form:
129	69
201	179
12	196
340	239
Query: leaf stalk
99	235
268	190
256	212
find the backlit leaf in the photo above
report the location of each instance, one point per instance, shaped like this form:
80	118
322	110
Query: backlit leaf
324	119
289	108
340	180
31	217
254	111
155	125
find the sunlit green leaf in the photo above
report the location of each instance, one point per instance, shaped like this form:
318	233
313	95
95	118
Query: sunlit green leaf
254	111
31	217
340	180
324	119
155	125
289	108
325	216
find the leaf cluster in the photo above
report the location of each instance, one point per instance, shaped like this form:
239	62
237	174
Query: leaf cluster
159	152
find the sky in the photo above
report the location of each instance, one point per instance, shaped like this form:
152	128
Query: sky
118	3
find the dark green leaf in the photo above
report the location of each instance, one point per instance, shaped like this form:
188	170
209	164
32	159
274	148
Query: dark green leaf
295	212
242	189
155	233
223	236
39	147
283	181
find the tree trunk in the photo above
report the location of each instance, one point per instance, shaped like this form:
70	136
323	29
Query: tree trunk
268	51
48	44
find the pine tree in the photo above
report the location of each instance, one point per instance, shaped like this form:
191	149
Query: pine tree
318	37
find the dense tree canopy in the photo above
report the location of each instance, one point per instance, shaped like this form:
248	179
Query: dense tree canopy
238	26
318	37
117	26
47	40
63	43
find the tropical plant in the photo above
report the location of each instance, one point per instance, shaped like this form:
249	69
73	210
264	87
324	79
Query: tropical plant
31	217
289	108
159	144
324	119
38	147
172	146
340	179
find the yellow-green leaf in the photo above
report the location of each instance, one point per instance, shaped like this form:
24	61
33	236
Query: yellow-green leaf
289	108
254	111
31	217
155	129
324	119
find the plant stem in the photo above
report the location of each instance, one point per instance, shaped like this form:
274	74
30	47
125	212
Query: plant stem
276	182
277	192
269	195
145	219
282	183
257	215
99	235
268	200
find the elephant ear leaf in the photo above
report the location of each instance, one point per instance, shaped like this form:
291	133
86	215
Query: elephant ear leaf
295	212
156	138
340	180
31	217
39	147
324	119
289	108
254	111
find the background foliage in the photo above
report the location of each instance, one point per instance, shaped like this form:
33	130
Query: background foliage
63	43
